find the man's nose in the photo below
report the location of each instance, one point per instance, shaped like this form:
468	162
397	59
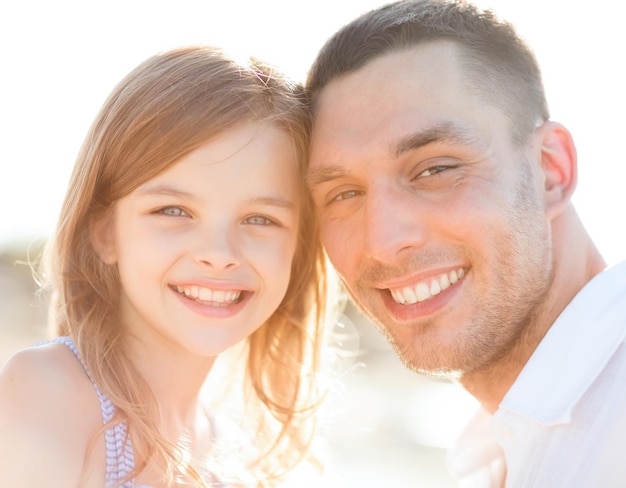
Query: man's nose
394	223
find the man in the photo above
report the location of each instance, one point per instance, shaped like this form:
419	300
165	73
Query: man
444	191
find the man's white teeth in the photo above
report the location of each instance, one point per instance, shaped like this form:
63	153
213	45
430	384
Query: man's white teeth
425	290
208	295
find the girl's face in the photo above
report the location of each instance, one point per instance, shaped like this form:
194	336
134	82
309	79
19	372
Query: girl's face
204	249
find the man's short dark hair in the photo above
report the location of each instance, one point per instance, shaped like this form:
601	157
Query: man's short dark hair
499	67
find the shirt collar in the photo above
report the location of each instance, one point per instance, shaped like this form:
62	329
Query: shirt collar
573	353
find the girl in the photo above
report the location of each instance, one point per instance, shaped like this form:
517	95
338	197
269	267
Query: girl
186	230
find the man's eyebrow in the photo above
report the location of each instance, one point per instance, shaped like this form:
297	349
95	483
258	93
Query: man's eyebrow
324	174
448	132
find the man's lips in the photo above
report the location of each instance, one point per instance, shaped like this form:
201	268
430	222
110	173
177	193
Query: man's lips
426	289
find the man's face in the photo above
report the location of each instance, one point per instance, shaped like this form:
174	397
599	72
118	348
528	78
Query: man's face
430	213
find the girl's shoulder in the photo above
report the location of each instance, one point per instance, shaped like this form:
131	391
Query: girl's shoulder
48	373
48	413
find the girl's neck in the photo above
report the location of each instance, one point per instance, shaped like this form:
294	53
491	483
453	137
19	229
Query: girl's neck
175	377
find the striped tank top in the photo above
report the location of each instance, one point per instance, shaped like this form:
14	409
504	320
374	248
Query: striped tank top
119	451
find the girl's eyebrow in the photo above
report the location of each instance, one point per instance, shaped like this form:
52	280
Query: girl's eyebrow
273	201
165	190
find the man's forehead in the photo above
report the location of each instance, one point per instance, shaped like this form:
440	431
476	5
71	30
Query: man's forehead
390	81
423	57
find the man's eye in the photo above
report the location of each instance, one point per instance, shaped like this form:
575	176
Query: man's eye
258	220
172	212
346	195
432	171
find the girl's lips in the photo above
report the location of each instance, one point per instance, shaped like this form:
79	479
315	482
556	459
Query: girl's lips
212	303
209	295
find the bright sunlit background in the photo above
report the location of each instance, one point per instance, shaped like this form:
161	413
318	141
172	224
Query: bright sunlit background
60	59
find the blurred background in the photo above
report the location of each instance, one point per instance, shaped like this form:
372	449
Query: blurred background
61	59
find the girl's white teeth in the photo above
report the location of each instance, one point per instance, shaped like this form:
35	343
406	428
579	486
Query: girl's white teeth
423	291
207	295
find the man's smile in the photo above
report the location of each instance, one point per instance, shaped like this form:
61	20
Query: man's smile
424	290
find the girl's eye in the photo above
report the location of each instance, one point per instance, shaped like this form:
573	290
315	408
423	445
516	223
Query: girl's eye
172	212
258	220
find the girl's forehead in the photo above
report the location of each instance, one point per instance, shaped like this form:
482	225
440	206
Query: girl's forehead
253	157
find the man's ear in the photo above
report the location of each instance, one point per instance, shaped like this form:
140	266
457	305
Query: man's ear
559	165
103	238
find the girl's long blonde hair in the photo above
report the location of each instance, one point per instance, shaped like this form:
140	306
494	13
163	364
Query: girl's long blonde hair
168	106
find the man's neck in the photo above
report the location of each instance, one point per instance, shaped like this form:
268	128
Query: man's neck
574	266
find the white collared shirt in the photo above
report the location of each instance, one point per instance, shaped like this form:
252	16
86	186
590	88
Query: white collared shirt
563	422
